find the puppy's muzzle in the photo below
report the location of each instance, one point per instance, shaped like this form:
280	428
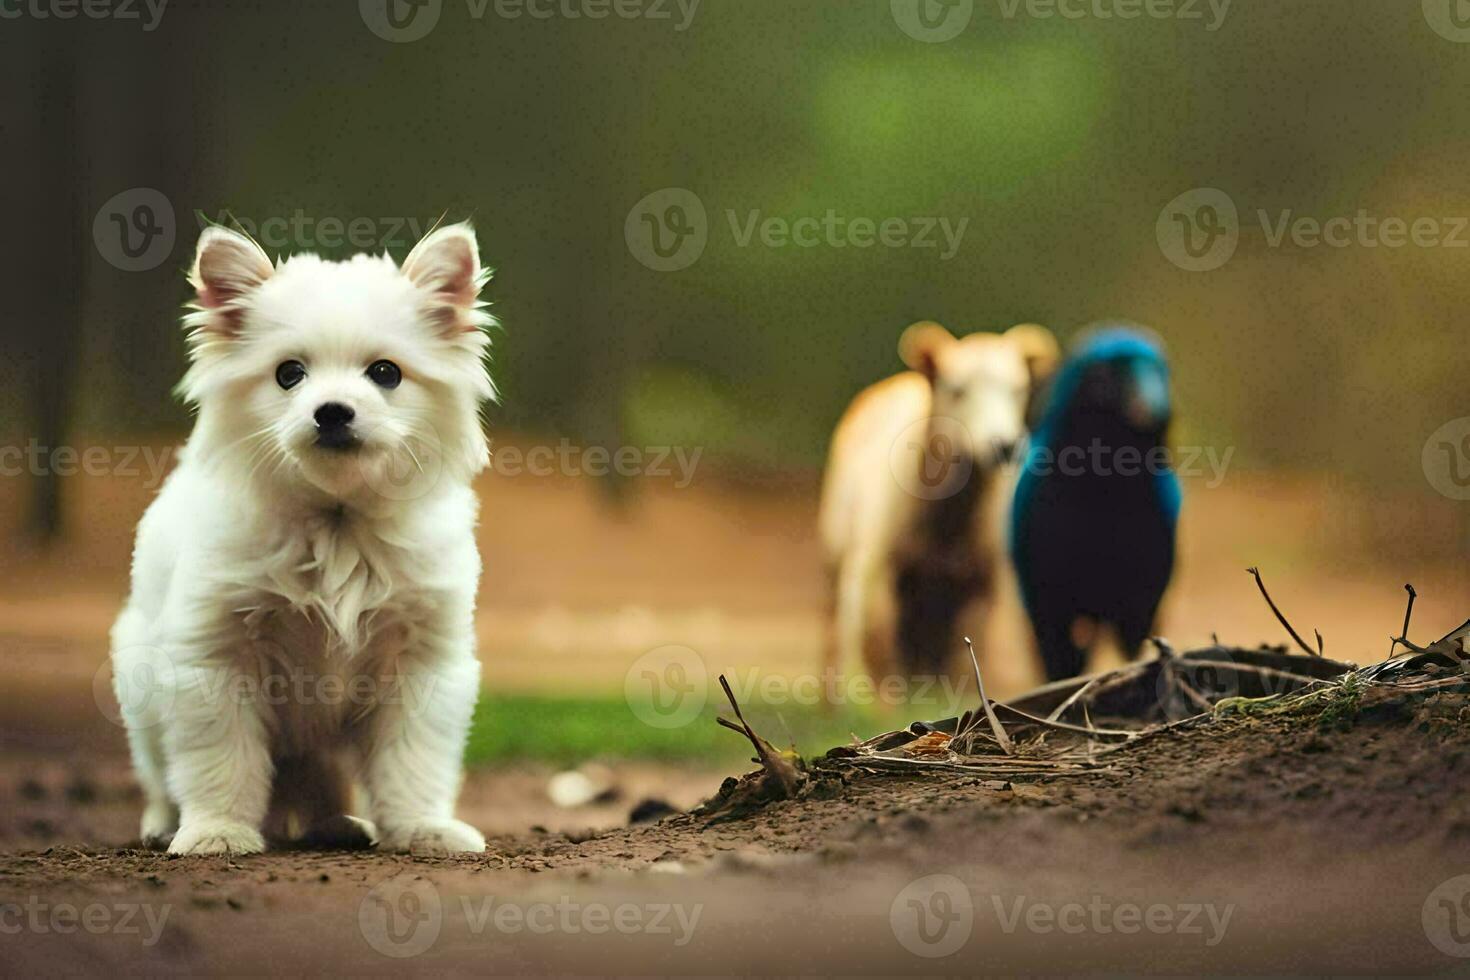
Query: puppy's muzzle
334	426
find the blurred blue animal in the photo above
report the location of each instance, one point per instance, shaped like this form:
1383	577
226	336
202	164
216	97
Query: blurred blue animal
1097	503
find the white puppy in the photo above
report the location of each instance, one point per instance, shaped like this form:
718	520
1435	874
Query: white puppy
302	607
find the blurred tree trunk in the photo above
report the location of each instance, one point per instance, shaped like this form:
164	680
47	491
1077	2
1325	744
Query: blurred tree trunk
46	247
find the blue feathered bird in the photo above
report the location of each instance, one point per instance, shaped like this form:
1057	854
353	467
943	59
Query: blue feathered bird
1097	504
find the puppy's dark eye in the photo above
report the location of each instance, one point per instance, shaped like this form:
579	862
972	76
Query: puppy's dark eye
290	373
384	374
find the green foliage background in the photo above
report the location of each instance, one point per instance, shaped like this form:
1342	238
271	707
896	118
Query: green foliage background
1059	140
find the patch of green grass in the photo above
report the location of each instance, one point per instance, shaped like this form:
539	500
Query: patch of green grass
1342	709
569	730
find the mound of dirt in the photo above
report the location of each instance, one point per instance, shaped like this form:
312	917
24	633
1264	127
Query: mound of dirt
1330	837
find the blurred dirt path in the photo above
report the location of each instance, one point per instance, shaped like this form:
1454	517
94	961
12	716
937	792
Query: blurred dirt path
1266	845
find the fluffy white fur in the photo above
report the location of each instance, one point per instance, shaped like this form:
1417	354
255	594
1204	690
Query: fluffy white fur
302	618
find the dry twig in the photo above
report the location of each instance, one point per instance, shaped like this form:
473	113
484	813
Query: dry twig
996	727
1394	641
1282	619
775	765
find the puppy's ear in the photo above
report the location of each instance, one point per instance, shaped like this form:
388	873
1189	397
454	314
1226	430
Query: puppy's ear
1038	347
446	266
228	267
920	345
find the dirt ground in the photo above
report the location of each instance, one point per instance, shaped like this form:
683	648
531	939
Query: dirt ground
1313	852
1239	846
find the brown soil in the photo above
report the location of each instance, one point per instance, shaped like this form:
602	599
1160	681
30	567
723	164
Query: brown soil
1324	847
1322	844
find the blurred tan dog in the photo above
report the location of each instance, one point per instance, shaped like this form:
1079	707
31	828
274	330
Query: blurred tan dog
914	497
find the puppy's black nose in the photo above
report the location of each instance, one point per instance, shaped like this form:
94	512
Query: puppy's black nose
333	415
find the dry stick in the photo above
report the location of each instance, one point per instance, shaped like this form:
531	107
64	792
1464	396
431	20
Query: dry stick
1276	672
1061	709
765	752
1393	642
1182	683
995	725
1063	726
1280	618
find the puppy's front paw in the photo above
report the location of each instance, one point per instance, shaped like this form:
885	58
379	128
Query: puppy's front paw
432	837
160	823
217	837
